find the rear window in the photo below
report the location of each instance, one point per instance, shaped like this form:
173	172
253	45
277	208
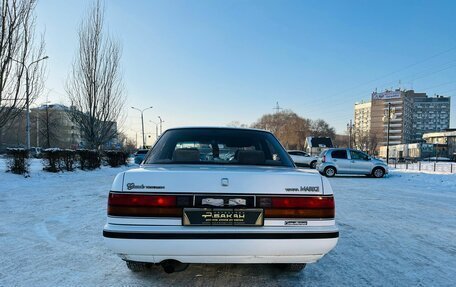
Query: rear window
141	151
342	154
218	146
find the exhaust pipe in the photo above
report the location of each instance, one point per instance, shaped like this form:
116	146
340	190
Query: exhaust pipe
171	266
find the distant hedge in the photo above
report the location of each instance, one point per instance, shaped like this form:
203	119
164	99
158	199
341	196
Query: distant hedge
56	160
59	160
116	158
88	159
17	161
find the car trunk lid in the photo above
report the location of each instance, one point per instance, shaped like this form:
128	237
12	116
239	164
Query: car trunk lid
197	179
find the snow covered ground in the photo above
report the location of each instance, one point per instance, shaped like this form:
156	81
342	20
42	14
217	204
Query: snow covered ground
396	231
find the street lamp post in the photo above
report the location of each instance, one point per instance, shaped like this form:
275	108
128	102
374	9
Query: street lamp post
156	129
388	133
37	130
161	122
27	96
388	116
142	122
349	128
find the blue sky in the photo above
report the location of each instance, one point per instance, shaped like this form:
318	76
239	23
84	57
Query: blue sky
213	62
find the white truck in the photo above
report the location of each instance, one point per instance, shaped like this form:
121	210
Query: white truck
219	195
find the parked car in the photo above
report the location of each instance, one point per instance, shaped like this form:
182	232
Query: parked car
350	161
35	152
246	203
302	158
139	155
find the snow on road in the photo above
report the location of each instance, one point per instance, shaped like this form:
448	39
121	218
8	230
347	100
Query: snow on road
397	231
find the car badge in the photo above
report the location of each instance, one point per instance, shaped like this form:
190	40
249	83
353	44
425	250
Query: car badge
225	182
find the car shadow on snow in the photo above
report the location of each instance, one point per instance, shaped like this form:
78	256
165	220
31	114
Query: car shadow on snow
220	274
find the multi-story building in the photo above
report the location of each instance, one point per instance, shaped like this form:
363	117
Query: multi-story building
430	114
12	134
51	127
411	115
362	117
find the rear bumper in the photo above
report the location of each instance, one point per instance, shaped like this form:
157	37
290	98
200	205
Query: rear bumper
220	245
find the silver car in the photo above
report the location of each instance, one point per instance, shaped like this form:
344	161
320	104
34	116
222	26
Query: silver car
349	161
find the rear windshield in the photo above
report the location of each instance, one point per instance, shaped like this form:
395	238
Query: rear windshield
218	146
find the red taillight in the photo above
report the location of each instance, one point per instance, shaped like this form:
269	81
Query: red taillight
294	207
302	202
145	205
323	159
116	199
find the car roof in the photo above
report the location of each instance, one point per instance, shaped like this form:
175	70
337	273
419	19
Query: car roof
218	127
343	148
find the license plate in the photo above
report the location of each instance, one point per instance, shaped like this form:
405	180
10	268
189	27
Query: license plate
223	217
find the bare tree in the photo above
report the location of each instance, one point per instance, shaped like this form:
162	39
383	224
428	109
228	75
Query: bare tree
373	143
340	140
17	50
292	130
289	128
365	140
320	128
51	127
94	85
236	124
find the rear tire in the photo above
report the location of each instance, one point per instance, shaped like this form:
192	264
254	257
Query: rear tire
330	171
137	266
294	267
378	172
313	164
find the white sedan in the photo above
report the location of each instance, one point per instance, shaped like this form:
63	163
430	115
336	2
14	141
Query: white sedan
301	158
245	203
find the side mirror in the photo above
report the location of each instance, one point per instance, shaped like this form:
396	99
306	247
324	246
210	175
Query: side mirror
369	158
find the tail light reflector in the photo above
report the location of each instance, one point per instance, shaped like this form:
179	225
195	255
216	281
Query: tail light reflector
141	200
297	207
303	202
145	205
323	159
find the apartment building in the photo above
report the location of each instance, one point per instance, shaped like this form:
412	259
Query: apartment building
50	126
362	117
411	115
430	114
